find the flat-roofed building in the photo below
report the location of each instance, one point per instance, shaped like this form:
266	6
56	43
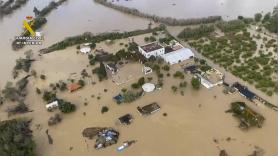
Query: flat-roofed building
151	49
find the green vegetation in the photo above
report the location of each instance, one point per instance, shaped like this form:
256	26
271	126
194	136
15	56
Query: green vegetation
89	37
16	138
81	83
18	109
198	32
49	96
183	84
16	93
166	67
258	17
104	109
43	77
52	5
23	64
179	74
246	115
62	86
130	96
92	59
101	72
195	82
230	26
65	106
270	22
238	52
139	83
166	20
10	6
174	89
54	120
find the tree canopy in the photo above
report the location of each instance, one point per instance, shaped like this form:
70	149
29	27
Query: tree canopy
195	82
16	138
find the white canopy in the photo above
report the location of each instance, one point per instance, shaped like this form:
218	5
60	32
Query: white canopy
85	50
148	87
178	56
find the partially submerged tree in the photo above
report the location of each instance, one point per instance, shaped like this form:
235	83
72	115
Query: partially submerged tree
66	107
104	109
53	120
195	82
49	96
101	72
18	109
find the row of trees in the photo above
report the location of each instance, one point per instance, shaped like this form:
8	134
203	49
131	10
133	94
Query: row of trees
229	26
17	92
23	64
138	84
91	38
201	31
10	5
166	20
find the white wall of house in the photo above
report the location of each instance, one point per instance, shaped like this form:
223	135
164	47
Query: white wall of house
154	53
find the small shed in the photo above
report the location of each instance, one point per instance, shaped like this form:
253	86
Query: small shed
52	105
73	87
147	70
85	50
118	98
149	109
112	67
126	119
148	87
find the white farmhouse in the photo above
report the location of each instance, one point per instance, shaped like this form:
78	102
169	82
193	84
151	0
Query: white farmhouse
151	49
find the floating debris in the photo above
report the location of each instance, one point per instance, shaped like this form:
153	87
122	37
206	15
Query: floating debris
247	116
125	145
106	137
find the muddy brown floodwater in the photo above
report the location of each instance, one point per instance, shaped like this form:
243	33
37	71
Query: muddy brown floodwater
196	124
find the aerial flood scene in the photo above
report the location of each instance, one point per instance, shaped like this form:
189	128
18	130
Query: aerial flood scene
138	77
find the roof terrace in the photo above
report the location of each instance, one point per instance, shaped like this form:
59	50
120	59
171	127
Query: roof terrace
151	47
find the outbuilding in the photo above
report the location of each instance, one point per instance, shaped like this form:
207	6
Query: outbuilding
126	119
112	67
85	50
177	56
52	105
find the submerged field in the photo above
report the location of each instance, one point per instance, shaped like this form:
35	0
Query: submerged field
195	119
